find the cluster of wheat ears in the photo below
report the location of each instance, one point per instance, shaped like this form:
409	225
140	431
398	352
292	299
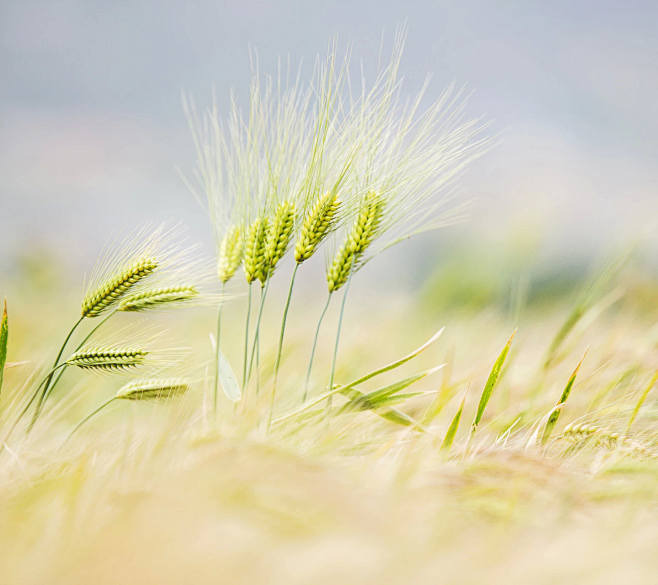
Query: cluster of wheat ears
351	166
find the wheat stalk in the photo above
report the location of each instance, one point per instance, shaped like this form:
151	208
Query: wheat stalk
154	390
277	242
363	231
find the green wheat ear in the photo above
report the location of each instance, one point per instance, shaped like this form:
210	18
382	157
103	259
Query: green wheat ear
361	235
157	298
100	299
279	235
230	253
153	389
107	359
317	224
254	250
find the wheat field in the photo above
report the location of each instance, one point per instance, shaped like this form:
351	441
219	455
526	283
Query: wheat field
234	416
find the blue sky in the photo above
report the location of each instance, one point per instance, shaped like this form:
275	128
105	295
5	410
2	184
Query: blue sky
91	127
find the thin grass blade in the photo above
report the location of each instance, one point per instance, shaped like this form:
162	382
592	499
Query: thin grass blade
640	402
343	389
377	398
555	415
491	383
452	429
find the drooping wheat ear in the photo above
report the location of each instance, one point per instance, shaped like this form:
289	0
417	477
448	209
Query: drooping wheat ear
100	299
361	235
254	249
157	298
317	224
107	359
279	235
230	253
153	389
606	439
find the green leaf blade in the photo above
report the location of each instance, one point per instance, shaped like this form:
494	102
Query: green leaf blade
344	389
491	383
555	414
452	429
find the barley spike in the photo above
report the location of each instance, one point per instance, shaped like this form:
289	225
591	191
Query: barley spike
359	238
157	298
107	294
230	253
112	359
153	389
316	225
254	251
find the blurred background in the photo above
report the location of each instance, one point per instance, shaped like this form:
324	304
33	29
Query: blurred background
92	130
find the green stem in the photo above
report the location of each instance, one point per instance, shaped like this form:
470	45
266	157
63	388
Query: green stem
257	342
340	323
59	355
217	352
246	342
279	350
263	294
84	420
27	406
50	389
315	343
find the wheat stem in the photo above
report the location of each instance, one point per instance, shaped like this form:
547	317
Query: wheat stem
246	341
61	372
217	351
315	343
27	406
279	349
340	323
263	294
50	375
84	420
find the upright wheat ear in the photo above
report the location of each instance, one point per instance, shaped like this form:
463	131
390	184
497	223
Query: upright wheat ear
317	224
278	236
230	253
360	237
100	299
254	249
